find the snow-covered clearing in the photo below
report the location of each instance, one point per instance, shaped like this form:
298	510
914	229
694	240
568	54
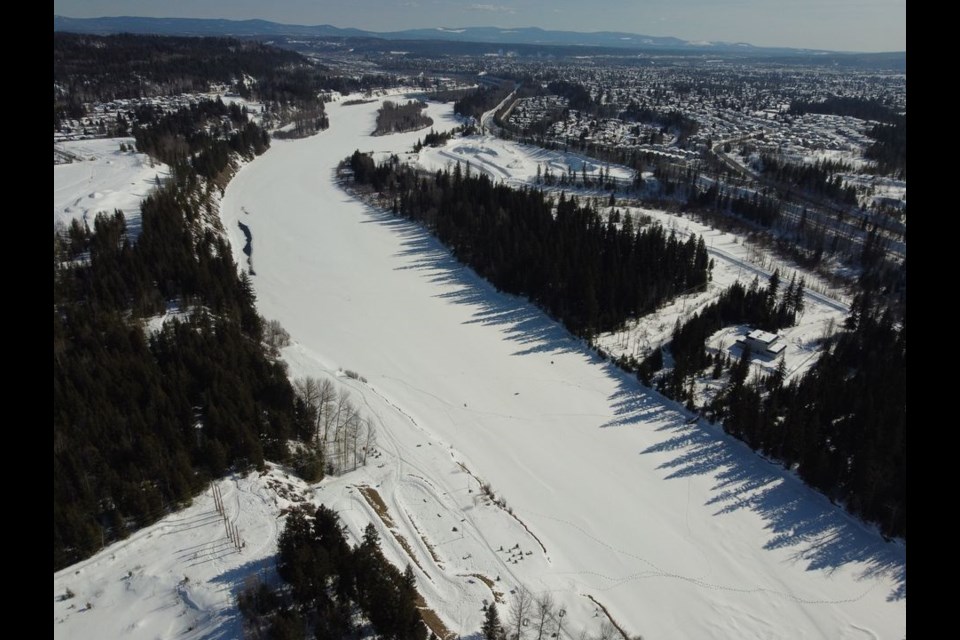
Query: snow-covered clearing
617	497
513	163
102	178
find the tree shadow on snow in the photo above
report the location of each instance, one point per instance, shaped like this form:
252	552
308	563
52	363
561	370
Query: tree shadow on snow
519	320
635	404
820	534
230	623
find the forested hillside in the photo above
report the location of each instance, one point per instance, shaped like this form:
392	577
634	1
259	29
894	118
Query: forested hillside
102	69
146	411
589	273
143	420
105	68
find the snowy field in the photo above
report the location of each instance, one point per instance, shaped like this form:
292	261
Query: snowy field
511	162
100	177
616	496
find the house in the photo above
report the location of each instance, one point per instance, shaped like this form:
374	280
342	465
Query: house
762	343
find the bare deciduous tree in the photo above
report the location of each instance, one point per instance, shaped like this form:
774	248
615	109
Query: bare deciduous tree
370	441
350	434
520	611
543	612
608	631
275	335
327	395
340	433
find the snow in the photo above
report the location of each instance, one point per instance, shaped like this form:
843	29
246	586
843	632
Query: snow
178	577
511	162
154	324
615	492
100	177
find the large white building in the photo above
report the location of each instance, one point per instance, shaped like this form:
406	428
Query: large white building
762	343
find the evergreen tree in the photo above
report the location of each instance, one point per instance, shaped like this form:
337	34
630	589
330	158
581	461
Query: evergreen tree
798	302
492	629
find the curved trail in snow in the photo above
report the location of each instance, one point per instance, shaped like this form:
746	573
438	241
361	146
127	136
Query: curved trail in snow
402	477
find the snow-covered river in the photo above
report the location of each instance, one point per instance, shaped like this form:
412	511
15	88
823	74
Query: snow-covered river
677	530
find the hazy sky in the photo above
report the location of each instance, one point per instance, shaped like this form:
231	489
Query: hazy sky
839	25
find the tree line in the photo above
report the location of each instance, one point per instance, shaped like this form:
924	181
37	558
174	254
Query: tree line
143	420
756	207
890	149
843	425
90	68
147	409
822	178
434	139
862	108
332	590
591	274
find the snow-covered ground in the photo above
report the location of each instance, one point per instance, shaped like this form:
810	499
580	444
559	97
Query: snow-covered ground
511	162
100	177
616	495
177	578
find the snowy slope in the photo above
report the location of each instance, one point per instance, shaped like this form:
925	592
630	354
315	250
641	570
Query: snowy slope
178	577
102	178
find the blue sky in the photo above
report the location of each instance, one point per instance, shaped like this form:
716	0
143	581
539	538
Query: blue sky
839	25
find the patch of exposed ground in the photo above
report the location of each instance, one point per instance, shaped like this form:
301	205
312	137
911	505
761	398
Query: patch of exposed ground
374	500
433	621
497	595
430	617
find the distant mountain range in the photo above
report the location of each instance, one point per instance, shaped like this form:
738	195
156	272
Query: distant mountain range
489	35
